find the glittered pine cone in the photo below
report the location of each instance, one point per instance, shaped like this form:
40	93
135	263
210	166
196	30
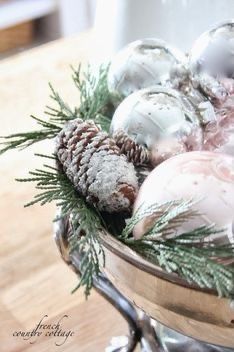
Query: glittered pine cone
136	153
94	164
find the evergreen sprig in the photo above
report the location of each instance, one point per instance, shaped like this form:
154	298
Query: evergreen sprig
191	255
169	215
94	97
62	112
94	94
23	140
53	185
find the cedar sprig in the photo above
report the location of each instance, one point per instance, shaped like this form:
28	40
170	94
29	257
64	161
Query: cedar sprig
189	263
169	215
53	185
88	246
23	140
62	112
191	255
94	96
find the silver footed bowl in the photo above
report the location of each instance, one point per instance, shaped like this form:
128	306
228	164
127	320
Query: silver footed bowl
182	314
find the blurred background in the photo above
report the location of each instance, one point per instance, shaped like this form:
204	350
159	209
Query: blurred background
28	23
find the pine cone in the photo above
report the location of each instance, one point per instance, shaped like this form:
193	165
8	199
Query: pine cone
136	153
142	172
94	164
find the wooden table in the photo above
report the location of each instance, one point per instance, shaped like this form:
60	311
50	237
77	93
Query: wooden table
34	280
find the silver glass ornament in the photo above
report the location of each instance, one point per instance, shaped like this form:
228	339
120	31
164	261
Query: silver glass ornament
211	62
201	104
161	119
144	63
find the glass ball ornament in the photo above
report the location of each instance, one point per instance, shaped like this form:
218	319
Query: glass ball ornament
211	62
144	63
205	177
219	135
160	119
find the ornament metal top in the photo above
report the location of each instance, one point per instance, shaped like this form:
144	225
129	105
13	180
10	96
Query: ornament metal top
211	62
144	63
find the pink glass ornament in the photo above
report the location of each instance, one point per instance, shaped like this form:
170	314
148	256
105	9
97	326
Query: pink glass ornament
205	177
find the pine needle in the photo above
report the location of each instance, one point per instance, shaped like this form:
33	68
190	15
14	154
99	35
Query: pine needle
23	140
94	97
190	255
166	217
53	185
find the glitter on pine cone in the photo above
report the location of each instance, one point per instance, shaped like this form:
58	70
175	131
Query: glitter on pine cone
94	164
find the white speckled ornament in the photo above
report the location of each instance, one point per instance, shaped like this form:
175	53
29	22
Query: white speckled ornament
207	177
144	63
160	119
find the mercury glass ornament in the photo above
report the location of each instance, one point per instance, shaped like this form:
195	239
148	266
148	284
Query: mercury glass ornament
219	136
211	62
144	63
162	120
201	104
205	177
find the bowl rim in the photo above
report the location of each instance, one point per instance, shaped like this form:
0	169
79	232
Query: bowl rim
127	254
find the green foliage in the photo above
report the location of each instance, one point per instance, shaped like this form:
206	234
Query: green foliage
94	95
169	217
62	112
88	245
94	99
23	140
53	185
190	255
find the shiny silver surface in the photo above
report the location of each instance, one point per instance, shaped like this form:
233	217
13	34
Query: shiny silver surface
144	63
161	119
172	341
211	61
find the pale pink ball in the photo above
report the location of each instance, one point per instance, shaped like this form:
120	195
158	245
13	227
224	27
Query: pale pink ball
204	176
219	135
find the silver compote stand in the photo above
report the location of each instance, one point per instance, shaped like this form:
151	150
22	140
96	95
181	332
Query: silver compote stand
164	312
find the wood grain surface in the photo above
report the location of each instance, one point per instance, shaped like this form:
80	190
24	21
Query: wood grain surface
34	280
